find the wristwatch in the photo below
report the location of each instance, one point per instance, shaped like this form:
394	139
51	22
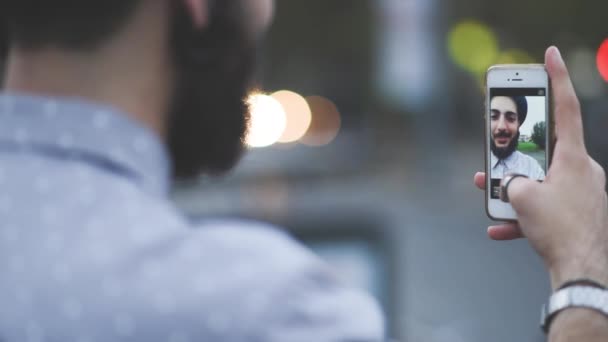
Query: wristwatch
574	297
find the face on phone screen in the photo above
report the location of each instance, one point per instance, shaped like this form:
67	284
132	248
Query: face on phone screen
518	134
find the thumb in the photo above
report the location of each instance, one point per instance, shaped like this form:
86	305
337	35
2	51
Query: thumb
522	193
567	111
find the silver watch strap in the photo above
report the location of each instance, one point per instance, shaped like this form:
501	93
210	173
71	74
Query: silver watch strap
572	297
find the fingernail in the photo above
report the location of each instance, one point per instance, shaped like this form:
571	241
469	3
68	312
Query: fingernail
559	54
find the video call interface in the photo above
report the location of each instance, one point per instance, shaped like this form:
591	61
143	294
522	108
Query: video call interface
517	136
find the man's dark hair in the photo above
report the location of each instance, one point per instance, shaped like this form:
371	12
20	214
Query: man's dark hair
214	72
208	117
522	108
76	24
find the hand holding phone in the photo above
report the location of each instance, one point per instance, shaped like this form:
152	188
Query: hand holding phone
565	218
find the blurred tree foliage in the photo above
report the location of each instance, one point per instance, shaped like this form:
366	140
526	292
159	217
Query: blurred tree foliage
539	134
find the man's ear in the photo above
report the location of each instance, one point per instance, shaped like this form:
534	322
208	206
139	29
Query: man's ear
199	11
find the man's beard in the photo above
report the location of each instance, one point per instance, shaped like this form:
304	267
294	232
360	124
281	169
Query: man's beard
208	117
505	152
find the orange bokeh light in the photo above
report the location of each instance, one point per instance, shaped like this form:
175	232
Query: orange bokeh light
325	123
298	115
602	60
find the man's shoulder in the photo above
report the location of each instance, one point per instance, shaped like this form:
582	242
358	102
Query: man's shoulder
304	299
526	159
529	166
229	250
252	273
242	234
251	243
523	155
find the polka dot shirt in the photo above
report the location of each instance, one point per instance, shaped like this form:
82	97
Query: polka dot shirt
92	250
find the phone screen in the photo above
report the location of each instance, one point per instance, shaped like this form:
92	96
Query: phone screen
518	134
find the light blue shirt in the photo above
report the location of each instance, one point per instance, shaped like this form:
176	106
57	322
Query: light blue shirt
517	162
92	250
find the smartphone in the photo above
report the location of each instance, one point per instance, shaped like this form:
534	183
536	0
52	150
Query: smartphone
517	131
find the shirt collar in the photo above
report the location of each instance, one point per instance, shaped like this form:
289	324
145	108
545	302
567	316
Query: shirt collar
75	129
509	162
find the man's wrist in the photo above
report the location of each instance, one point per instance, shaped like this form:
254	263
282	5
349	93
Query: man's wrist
578	324
597	272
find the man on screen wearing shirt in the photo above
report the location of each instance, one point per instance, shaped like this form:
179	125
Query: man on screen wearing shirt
507	115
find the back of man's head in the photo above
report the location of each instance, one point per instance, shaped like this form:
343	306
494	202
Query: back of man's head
74	24
211	64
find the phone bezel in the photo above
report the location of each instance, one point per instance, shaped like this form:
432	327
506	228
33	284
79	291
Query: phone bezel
501	76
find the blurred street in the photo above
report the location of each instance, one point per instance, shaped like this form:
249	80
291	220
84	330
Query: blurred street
390	199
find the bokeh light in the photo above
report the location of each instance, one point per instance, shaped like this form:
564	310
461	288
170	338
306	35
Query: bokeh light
267	122
325	123
515	56
602	60
298	115
473	46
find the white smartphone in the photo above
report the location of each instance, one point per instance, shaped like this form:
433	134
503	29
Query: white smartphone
518	130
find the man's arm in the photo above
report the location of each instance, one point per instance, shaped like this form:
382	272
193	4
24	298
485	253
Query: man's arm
579	325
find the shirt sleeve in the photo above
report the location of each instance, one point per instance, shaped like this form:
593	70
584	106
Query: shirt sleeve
313	305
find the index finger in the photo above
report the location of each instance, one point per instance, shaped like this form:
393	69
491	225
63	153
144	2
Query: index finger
568	121
480	180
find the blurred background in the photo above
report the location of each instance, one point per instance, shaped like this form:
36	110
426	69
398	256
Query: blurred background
367	130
